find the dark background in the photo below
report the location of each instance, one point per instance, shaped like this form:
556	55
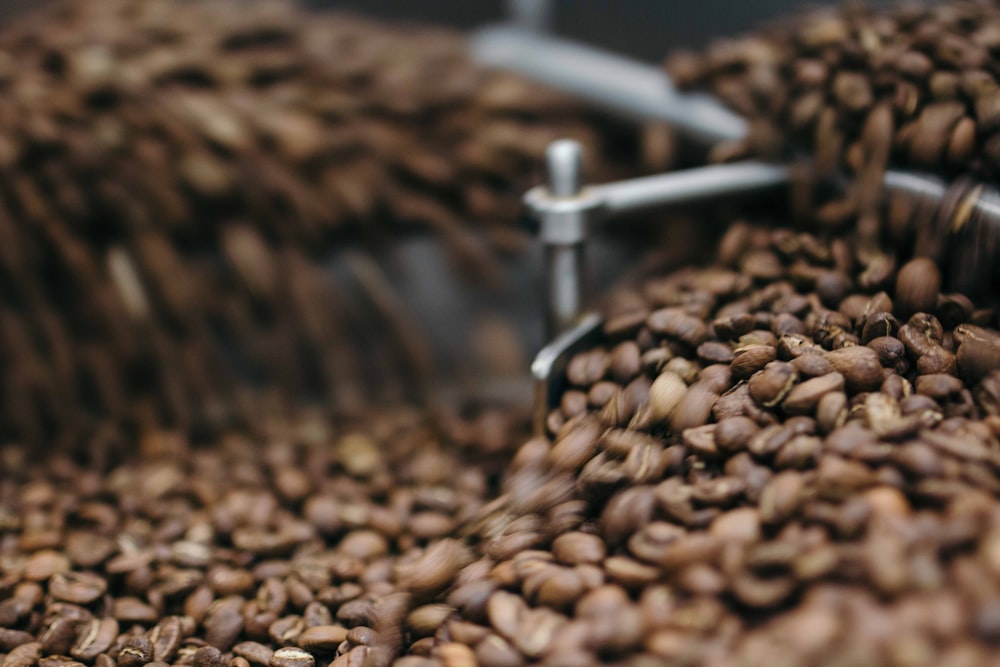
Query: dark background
644	29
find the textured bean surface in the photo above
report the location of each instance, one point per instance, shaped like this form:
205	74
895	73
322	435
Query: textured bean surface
178	180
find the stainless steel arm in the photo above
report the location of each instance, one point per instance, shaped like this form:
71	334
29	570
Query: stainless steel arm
691	185
611	81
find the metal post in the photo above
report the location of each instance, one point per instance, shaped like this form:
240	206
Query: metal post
564	238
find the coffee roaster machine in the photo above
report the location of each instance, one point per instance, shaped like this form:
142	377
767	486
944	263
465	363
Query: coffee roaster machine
566	210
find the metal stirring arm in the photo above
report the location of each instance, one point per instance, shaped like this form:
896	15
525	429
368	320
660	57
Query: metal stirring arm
566	211
609	80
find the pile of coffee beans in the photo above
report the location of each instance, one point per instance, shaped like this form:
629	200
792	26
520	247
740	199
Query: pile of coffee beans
763	463
320	543
860	89
175	177
818	78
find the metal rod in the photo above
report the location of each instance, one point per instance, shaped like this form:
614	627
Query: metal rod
565	275
549	365
604	78
690	185
564	256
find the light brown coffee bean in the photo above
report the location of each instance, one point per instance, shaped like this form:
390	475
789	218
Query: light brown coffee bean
781	497
860	367
804	397
694	408
291	657
253	652
978	352
77	587
678	325
665	394
577	445
576	548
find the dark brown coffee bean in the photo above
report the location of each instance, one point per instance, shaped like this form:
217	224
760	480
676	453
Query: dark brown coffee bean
918	285
978	352
938	386
93	638
678	325
59	637
224	622
135	651
769	386
208	656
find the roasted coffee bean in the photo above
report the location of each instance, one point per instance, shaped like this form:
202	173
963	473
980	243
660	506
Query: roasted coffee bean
135	651
254	652
978	351
291	657
665	394
678	325
806	396
77	587
749	360
769	386
860	367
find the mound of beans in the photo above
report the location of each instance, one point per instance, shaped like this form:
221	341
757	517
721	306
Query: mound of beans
761	463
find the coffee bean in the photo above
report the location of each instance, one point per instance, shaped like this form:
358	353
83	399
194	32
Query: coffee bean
291	657
135	651
751	359
918	285
678	325
694	408
77	587
977	353
24	655
577	445
769	386
859	365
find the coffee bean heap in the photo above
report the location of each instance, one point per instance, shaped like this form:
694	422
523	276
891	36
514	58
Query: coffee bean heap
819	76
319	544
860	89
763	463
174	178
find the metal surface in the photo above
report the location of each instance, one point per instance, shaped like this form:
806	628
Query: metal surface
564	230
609	80
549	367
530	14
